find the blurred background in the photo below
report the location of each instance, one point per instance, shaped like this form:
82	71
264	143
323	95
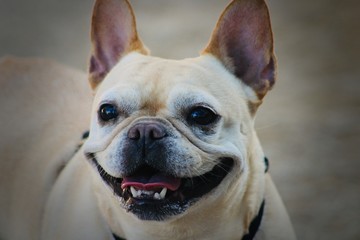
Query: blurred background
309	124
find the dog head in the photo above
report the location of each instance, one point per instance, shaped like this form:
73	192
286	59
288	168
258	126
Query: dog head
170	137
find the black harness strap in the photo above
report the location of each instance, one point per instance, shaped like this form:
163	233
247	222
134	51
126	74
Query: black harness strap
83	138
267	164
255	224
85	135
118	238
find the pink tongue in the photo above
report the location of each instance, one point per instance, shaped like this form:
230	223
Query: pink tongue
152	182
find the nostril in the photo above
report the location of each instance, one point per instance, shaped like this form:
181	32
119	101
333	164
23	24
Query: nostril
155	131
135	132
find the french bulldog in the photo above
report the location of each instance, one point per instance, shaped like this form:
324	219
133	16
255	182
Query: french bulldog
172	152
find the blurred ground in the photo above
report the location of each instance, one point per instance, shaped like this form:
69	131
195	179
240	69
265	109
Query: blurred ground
309	124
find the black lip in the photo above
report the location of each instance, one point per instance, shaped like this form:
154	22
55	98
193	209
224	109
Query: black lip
190	190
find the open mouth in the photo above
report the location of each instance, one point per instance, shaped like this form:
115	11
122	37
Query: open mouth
151	195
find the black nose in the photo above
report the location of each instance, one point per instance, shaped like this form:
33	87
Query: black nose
147	132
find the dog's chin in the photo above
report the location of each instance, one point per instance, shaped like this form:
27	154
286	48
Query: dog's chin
157	202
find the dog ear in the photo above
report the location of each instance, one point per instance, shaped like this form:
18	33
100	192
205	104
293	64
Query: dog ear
113	34
243	41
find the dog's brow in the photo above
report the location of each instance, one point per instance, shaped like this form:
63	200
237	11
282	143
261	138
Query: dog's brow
185	99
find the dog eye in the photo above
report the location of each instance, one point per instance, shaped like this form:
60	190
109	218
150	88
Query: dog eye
108	112
202	116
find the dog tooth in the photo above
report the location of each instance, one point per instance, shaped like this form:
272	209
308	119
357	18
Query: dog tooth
134	192
148	192
163	193
157	196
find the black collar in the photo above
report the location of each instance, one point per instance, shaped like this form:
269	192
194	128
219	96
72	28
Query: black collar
118	238
255	224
